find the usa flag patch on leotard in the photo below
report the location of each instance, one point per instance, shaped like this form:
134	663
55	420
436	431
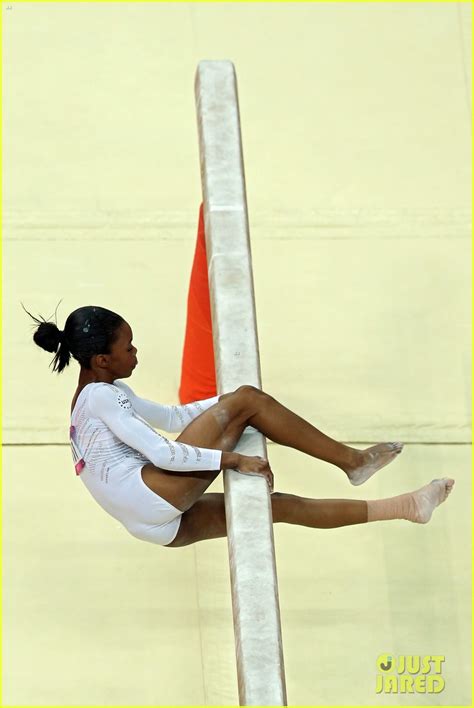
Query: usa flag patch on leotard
77	458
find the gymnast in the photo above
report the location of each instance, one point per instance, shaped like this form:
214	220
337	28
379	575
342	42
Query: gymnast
155	486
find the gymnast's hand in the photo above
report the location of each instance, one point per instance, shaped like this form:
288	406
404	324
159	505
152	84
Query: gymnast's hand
256	466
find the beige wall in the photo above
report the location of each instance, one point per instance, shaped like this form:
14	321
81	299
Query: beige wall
356	123
356	129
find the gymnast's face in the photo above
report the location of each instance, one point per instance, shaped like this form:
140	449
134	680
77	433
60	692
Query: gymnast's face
123	355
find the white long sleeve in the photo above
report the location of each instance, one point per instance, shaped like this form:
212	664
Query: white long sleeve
173	419
111	404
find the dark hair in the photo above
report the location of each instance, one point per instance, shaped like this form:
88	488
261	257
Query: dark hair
88	330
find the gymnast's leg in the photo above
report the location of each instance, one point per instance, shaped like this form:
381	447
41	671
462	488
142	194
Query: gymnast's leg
206	519
283	426
221	426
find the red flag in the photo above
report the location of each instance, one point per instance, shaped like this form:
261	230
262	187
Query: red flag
198	375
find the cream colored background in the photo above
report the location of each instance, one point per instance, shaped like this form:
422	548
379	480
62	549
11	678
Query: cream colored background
356	128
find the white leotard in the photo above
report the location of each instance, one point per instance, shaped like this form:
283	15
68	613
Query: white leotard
112	439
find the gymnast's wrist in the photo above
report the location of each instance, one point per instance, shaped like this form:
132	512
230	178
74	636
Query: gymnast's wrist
230	460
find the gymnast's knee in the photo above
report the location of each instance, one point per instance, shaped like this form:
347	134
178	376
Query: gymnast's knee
249	392
281	505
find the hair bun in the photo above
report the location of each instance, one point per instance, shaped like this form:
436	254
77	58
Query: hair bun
48	336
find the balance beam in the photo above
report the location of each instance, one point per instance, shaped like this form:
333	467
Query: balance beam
256	611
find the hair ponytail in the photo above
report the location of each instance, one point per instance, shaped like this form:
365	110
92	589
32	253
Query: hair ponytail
49	337
88	330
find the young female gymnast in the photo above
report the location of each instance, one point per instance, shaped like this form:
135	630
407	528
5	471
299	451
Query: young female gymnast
155	487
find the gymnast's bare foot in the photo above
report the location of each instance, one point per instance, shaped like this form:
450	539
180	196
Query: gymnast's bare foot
371	460
428	498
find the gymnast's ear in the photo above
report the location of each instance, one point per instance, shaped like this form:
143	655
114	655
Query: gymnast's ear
100	361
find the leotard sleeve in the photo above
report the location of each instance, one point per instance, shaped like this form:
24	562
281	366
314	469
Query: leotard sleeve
173	419
112	406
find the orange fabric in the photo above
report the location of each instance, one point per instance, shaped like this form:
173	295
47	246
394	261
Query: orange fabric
198	376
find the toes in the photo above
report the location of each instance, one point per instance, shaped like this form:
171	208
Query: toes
448	482
396	447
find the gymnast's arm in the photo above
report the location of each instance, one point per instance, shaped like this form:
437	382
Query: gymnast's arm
173	419
112	406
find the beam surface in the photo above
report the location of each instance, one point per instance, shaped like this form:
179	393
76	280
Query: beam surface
254	584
